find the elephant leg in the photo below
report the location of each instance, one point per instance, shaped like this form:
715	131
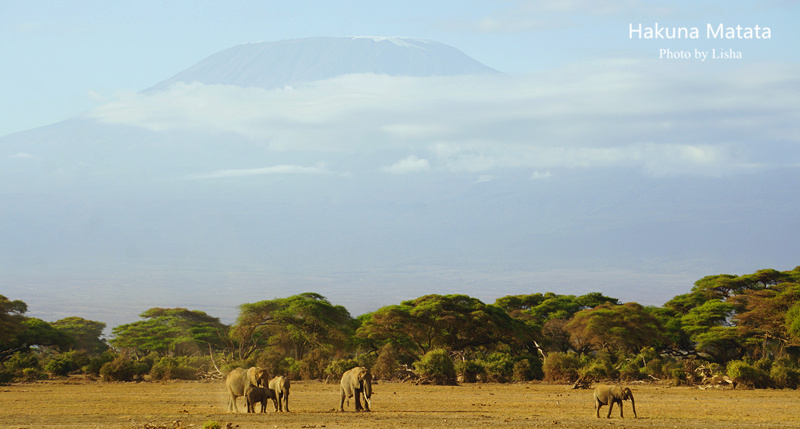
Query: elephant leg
286	402
620	409
358	400
597	406
366	404
232	408
610	407
341	404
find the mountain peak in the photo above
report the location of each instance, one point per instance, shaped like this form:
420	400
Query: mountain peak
287	62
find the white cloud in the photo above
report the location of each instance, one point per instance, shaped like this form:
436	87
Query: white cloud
410	164
22	155
246	172
537	175
663	119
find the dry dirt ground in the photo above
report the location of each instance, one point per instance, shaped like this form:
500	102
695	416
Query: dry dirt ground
189	404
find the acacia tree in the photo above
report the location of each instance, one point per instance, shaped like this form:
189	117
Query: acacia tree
761	318
170	331
297	325
11	318
628	328
457	323
547	314
85	333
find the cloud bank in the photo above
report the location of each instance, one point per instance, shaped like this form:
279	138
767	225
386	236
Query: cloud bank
655	117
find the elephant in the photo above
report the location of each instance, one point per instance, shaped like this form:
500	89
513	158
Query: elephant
255	394
280	385
608	395
357	382
239	379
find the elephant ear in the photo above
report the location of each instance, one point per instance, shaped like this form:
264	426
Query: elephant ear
626	393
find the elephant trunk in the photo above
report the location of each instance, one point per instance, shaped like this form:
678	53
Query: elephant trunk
633	406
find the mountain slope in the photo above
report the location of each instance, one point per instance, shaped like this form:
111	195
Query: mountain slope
288	62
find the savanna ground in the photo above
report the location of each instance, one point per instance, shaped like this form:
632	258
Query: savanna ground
188	404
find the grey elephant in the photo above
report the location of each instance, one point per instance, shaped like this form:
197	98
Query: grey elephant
608	395
254	395
280	385
357	382
239	379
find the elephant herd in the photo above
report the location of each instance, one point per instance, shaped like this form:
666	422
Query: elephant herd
256	387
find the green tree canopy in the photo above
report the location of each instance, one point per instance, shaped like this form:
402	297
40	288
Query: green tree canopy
457	323
170	331
87	334
297	325
762	314
38	333
11	318
538	308
629	327
546	316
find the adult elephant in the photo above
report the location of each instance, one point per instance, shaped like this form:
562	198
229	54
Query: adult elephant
357	382
240	379
608	395
280	385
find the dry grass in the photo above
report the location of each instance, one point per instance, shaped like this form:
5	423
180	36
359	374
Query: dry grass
183	404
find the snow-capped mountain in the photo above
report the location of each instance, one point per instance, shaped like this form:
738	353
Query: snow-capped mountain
288	62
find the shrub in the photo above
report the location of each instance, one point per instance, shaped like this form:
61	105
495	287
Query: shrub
561	367
30	374
630	369
119	369
57	367
292	368
437	367
470	371
594	370
336	368
169	368
21	360
523	371
678	376
64	363
764	365
599	366
97	362
785	374
747	375
499	367
211	424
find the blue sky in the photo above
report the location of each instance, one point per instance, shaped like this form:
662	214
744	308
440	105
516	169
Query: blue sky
63	58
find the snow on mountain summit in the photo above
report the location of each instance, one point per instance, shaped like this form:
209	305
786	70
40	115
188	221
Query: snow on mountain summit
287	62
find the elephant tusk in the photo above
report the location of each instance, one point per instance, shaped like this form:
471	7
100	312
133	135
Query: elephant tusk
369	403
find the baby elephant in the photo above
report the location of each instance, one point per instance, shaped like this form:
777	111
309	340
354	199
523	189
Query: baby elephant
608	395
254	395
